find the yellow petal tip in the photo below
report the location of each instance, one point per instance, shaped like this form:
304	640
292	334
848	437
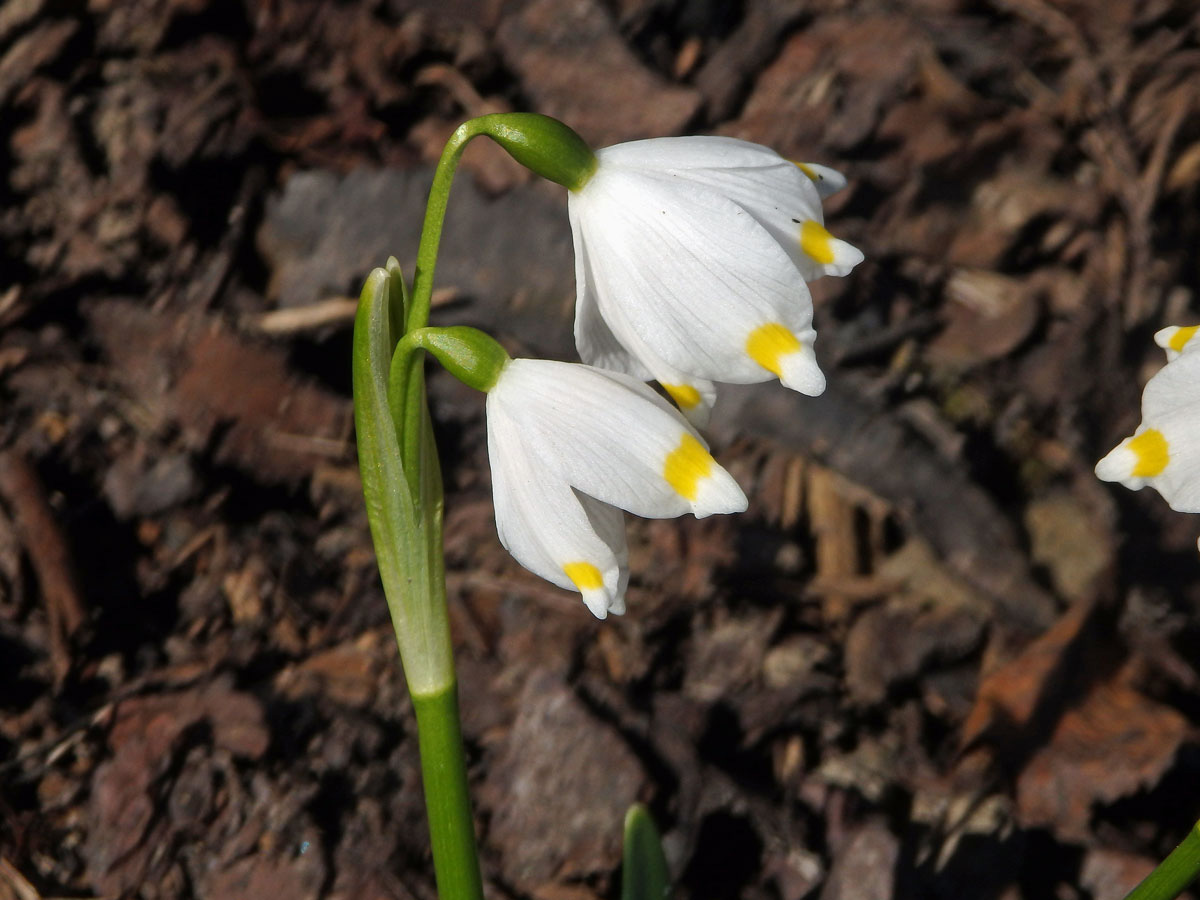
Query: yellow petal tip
584	576
768	344
686	466
1151	453
816	242
684	395
1180	338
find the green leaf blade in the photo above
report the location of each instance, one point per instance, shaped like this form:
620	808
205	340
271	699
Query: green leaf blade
644	874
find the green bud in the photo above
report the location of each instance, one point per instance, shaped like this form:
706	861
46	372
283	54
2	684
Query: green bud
471	356
542	144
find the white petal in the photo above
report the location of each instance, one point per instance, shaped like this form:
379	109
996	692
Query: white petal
548	528
827	181
1118	466
689	152
1174	388
783	196
626	352
614	439
1177	339
690	272
609	524
597	344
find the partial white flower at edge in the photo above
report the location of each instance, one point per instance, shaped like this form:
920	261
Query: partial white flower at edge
691	258
570	447
1164	452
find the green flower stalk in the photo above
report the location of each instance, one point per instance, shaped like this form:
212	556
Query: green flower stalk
402	482
404	507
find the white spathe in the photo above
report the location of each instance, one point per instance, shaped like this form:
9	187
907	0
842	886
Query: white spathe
686	249
570	447
1164	452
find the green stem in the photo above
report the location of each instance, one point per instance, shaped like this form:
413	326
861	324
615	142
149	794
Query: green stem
444	772
406	398
1173	874
435	214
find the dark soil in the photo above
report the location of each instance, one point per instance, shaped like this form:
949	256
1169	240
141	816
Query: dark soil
936	658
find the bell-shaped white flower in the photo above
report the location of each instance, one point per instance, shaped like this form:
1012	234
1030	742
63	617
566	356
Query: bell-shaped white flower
573	445
691	257
1164	452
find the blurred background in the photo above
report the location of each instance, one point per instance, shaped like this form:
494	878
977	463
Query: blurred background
936	658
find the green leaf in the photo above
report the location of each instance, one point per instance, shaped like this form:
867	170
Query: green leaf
1173	875
405	523
644	867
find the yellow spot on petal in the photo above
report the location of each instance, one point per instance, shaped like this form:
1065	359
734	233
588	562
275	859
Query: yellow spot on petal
816	242
684	395
1150	449
807	170
586	576
769	343
1181	336
686	466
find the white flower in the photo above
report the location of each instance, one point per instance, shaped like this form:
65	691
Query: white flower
691	257
570	447
1164	452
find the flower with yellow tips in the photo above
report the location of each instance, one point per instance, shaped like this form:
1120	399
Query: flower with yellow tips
570	447
691	257
1164	452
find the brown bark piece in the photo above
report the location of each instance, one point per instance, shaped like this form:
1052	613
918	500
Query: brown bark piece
296	876
559	799
1111	874
1015	698
1077	732
575	66
864	868
276	425
1114	743
990	316
125	827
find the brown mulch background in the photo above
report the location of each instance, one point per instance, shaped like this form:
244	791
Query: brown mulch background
936	658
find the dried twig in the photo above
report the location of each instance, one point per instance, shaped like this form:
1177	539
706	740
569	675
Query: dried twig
48	552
